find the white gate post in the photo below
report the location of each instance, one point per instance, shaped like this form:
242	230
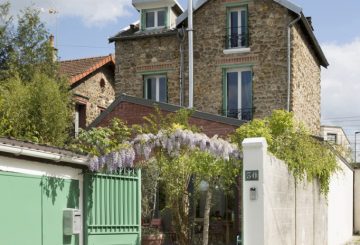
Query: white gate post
255	153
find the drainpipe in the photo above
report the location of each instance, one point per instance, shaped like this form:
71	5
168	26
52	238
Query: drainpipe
291	24
181	37
191	54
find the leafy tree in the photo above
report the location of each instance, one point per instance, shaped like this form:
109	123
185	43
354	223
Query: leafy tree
24	49
35	102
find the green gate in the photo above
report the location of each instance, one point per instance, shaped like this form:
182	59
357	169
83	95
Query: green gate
113	208
31	209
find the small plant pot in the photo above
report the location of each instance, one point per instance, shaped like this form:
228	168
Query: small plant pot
153	239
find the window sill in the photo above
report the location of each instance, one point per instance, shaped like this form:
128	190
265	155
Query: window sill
236	50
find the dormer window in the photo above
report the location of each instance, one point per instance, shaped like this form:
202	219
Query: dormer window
154	18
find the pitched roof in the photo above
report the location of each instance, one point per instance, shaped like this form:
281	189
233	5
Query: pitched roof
133	32
290	6
79	68
165	107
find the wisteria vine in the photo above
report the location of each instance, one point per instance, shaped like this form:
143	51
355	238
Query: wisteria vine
171	141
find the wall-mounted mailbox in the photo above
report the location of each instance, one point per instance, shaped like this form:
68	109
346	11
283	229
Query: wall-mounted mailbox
72	221
253	194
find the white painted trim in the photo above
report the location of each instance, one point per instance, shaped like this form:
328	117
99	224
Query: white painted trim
22	151
236	50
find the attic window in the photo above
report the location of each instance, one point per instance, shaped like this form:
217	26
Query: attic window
102	84
155	18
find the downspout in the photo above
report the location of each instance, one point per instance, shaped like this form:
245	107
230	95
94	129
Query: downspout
191	54
291	24
181	37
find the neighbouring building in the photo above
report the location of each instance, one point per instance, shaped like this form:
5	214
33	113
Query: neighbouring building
92	83
250	58
336	136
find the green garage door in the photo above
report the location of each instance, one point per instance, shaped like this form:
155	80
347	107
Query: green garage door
31	209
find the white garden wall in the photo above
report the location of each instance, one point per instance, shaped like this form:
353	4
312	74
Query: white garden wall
288	213
340	206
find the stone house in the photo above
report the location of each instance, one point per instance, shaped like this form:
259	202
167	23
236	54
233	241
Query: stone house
92	85
250	57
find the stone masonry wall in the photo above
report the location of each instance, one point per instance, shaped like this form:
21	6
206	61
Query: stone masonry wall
98	97
138	57
267	57
306	78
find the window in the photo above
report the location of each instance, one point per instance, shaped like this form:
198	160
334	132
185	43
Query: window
155	18
155	88
238	94
102	85
80	117
331	138
237	31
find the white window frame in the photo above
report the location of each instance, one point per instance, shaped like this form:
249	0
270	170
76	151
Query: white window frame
239	72
157	85
155	18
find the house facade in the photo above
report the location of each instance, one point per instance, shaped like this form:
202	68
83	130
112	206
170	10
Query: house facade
92	84
244	64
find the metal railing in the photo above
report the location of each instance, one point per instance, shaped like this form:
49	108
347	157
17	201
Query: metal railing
237	37
245	114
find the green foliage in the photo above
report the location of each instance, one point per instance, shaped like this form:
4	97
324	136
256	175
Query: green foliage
35	103
24	46
305	156
158	120
37	111
102	140
149	185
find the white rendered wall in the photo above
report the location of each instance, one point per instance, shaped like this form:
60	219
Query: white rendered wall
340	206
9	164
357	201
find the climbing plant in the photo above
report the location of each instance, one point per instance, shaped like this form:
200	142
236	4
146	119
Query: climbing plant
306	156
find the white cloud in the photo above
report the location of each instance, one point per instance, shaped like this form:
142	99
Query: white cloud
92	12
341	85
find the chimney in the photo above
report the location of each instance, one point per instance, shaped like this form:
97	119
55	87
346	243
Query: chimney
309	20
53	49
132	27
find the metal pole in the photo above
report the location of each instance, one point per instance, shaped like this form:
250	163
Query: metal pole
191	54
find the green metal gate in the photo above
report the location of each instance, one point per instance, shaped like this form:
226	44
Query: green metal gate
113	208
31	209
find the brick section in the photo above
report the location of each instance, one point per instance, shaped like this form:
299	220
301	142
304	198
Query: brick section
133	114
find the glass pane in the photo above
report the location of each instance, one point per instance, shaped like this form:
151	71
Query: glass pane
161	18
243	28
232	94
162	89
234	29
150	19
151	88
246	95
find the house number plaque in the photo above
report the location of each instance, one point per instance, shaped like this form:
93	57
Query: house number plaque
252	175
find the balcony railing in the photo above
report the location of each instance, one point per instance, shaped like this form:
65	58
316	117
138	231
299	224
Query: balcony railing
237	37
245	114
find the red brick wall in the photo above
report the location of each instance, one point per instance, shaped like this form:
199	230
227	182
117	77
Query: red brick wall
133	114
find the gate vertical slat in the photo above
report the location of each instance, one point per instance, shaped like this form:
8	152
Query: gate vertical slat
115	208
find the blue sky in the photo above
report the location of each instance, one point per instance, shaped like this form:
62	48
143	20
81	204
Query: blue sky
82	27
334	23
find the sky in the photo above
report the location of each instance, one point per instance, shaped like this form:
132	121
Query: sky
82	29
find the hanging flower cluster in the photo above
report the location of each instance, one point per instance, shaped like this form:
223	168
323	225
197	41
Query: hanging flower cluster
124	158
173	141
